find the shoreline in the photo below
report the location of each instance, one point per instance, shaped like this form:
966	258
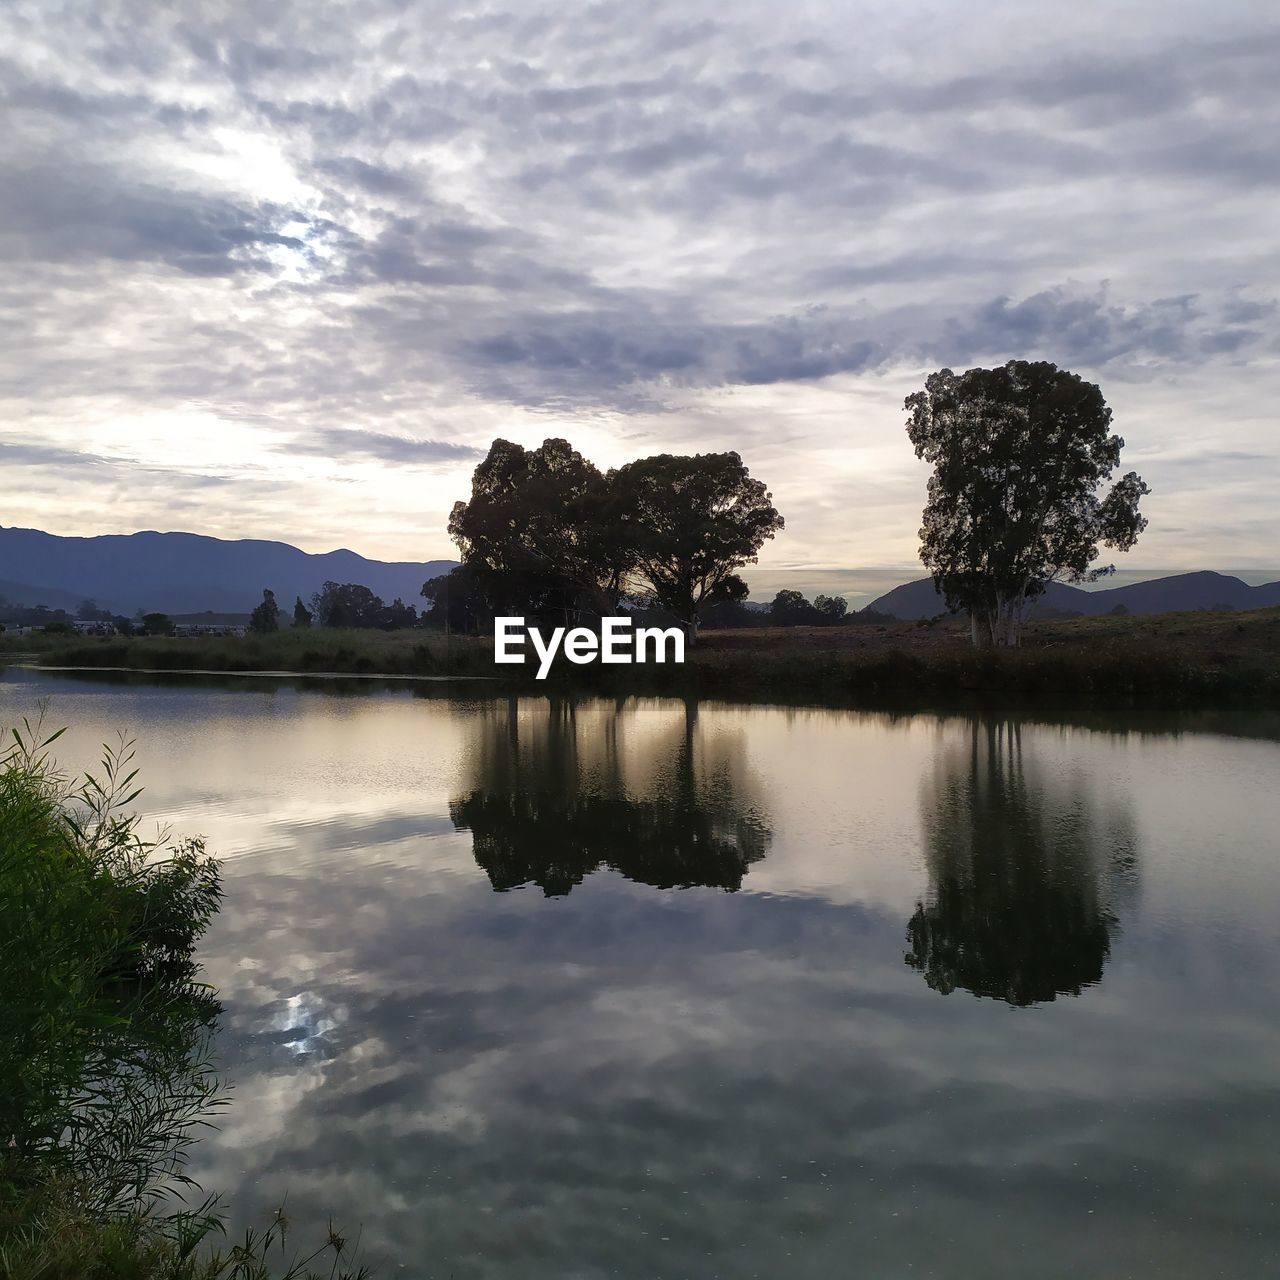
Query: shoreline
1143	660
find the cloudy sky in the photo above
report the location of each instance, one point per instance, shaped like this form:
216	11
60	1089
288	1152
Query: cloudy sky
285	270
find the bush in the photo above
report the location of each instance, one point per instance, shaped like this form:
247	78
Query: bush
103	1023
105	1026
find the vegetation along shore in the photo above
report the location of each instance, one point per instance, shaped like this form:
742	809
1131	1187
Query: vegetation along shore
1163	657
106	1032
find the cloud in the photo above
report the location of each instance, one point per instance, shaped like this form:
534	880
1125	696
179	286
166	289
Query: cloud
344	442
42	455
61	216
305	216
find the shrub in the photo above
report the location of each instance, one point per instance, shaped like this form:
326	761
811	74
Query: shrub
105	1074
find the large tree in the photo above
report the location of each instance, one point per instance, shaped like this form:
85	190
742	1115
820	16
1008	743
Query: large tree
1020	456
831	610
539	534
690	523
346	604
457	601
789	608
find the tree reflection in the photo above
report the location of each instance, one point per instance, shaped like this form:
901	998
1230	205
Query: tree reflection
1025	870
557	794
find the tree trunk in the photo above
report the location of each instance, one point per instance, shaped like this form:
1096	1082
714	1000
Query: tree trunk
982	628
1009	613
1013	628
1004	624
690	610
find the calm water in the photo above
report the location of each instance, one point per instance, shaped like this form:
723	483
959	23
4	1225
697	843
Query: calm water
646	989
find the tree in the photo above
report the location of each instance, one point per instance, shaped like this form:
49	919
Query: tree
89	612
540	533
347	604
266	617
457	601
689	523
397	614
790	609
301	614
1019	454
830	609
157	624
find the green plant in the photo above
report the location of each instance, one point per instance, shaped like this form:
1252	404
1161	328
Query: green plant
105	1027
52	1235
103	1023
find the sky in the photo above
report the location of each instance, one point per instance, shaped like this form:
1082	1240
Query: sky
284	270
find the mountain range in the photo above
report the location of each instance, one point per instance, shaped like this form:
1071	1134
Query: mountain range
1179	591
186	572
180	573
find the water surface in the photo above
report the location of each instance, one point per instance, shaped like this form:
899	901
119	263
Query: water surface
536	988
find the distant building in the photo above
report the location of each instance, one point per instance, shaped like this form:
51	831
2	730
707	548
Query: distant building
210	624
209	629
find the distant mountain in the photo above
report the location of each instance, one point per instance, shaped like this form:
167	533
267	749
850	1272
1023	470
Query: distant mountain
187	573
1204	590
25	594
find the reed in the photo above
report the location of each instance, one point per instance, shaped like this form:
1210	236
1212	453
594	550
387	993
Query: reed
105	1034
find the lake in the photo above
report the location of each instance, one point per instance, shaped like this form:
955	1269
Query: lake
548	988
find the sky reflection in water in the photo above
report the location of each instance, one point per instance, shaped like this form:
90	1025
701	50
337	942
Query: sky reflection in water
763	991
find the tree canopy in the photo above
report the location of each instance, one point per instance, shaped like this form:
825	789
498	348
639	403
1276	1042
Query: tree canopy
546	533
349	604
691	522
789	608
1019	455
157	624
458	600
539	532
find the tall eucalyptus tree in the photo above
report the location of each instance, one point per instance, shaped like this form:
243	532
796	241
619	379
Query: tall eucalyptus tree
1020	456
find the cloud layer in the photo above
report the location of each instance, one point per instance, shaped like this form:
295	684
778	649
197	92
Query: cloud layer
332	251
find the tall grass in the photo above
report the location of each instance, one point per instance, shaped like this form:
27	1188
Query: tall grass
105	1024
313	650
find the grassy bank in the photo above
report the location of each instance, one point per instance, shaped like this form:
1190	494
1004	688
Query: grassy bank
1184	657
311	650
1161	658
105	1025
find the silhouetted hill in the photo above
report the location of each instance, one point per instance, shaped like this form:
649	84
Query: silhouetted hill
186	572
1179	591
919	600
1185	591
